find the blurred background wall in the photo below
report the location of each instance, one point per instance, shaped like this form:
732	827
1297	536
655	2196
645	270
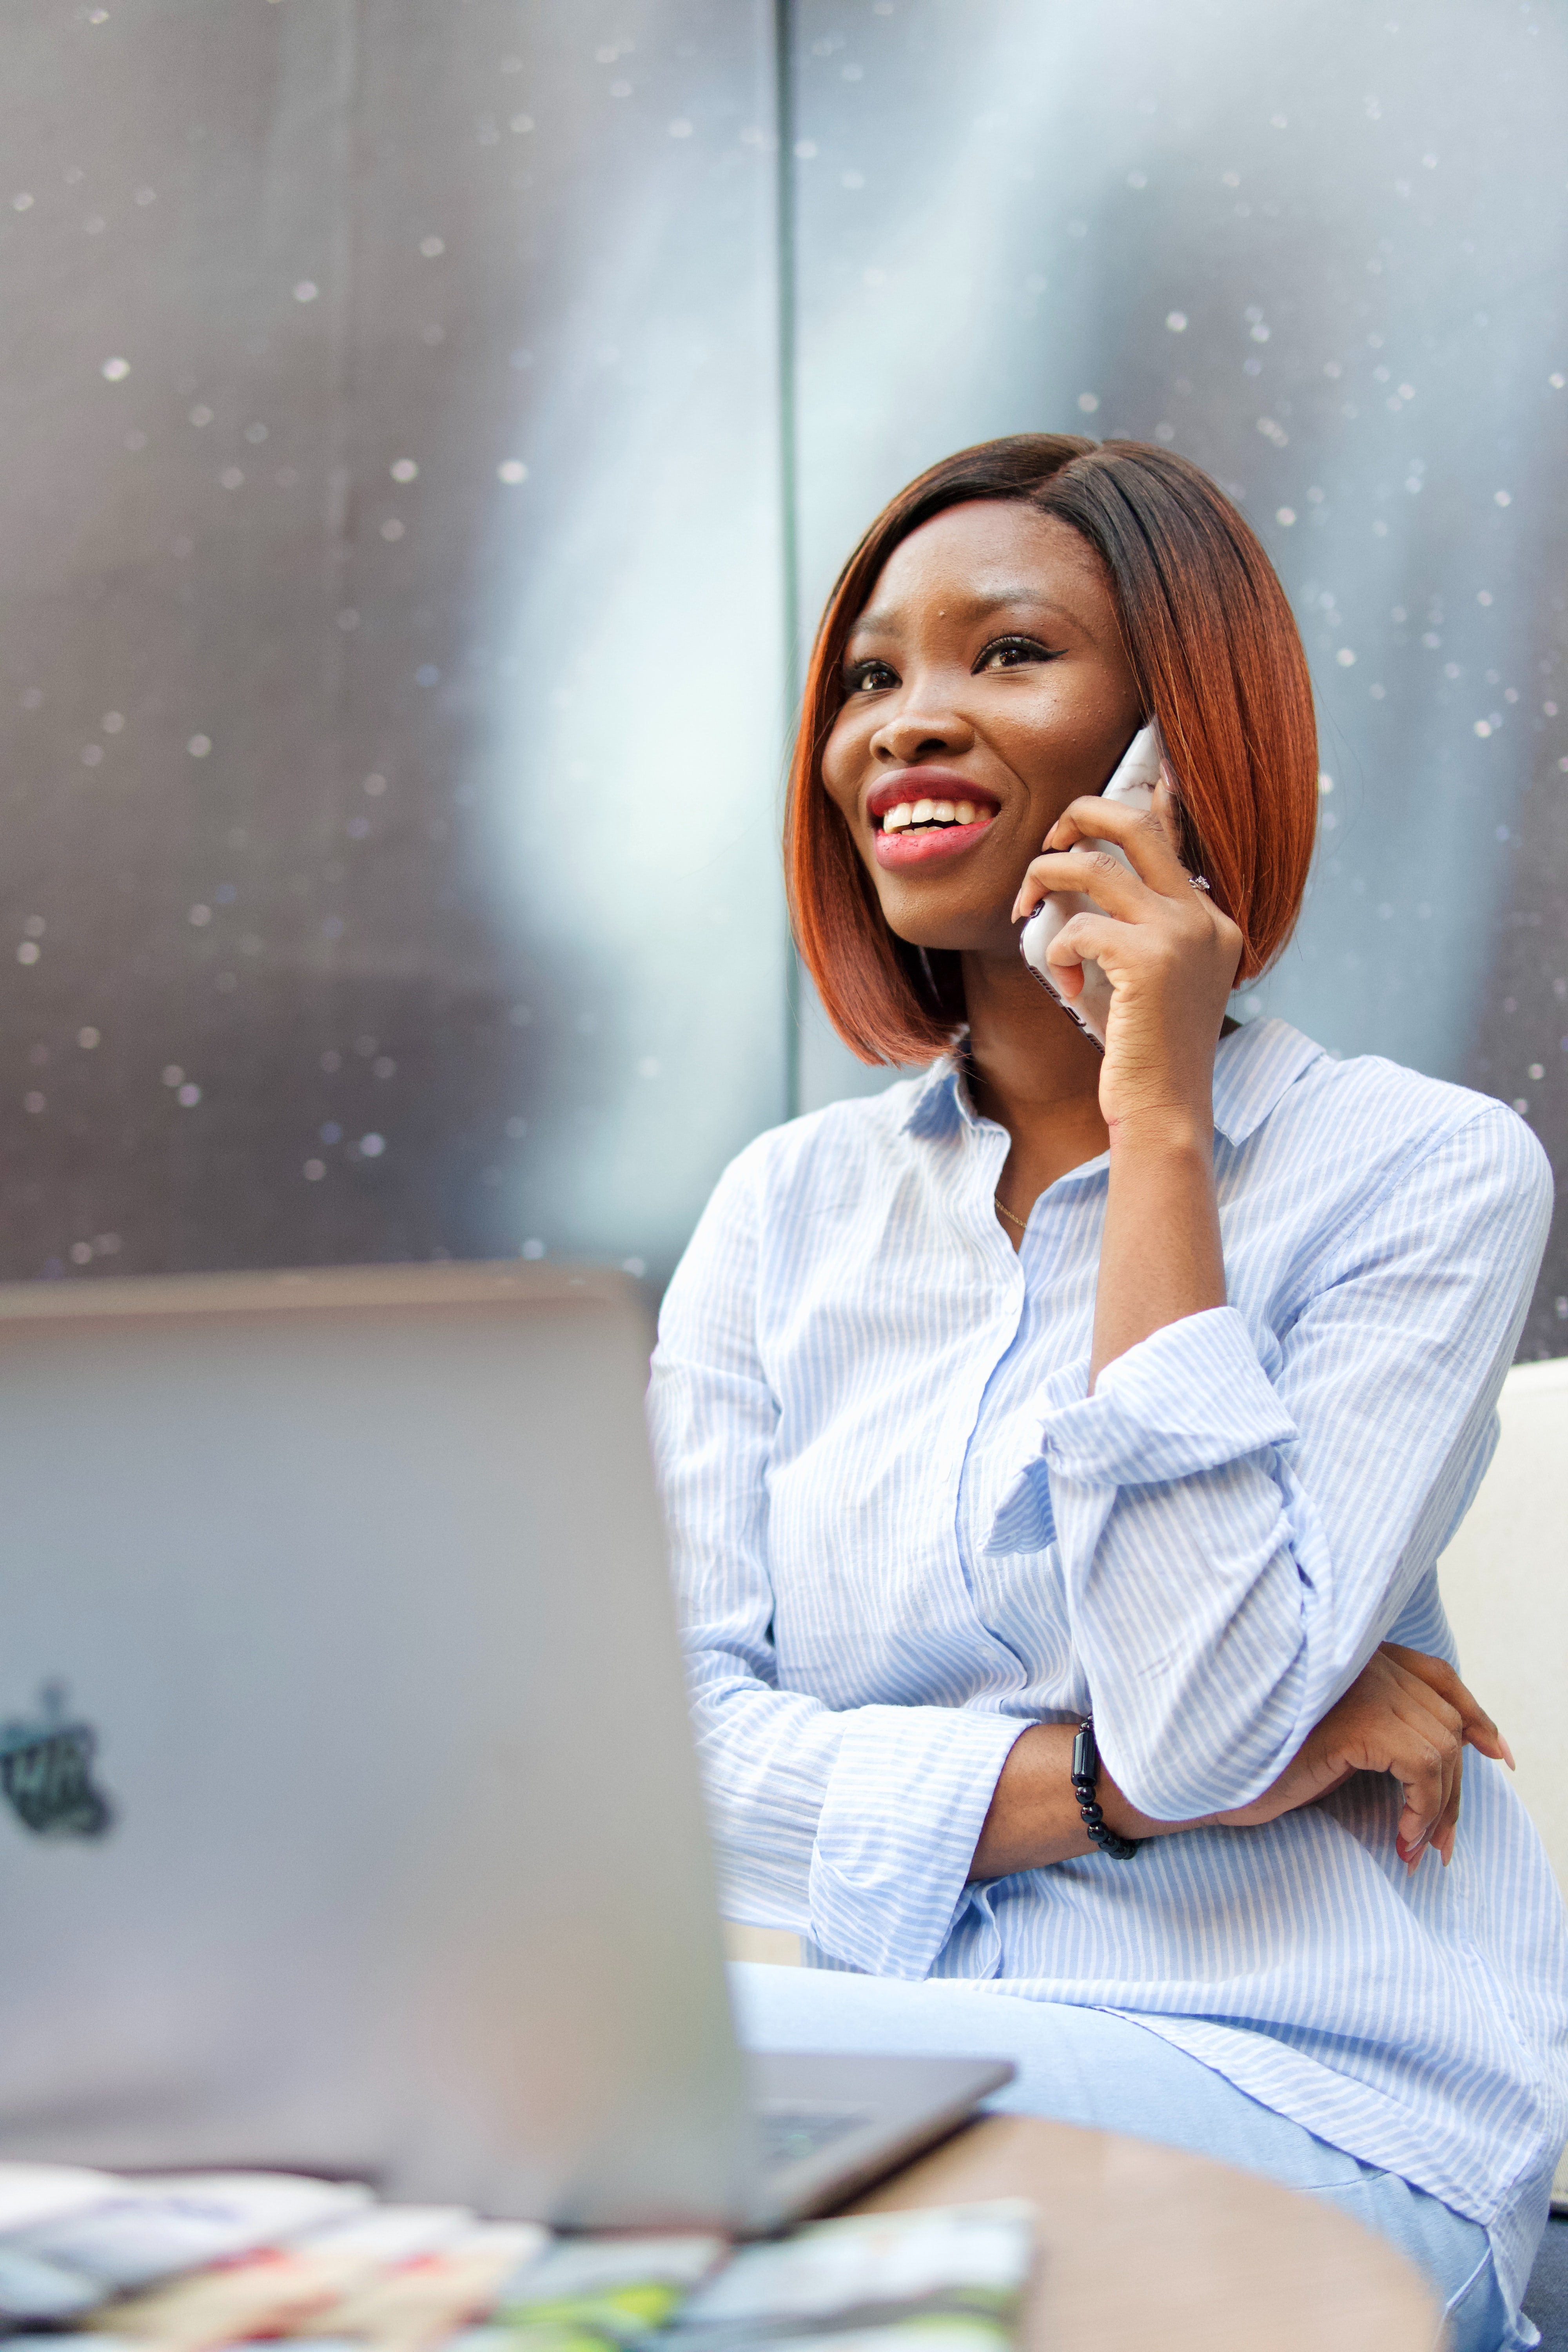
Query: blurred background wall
429	430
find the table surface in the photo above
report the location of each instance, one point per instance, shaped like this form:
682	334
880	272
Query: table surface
1145	2249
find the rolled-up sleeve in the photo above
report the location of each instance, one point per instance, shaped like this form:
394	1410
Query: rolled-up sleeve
854	1827
1242	1513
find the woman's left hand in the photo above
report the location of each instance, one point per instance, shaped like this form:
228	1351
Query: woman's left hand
1169	953
1407	1714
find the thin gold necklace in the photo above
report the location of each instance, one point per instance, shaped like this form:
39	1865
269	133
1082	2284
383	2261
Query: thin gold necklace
1022	1222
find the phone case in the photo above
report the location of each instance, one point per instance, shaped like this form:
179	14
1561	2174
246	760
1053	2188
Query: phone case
1132	784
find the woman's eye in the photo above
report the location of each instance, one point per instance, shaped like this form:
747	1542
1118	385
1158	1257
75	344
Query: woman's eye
868	676
1011	653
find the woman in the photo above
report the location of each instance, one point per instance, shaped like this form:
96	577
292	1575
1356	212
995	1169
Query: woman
1138	1388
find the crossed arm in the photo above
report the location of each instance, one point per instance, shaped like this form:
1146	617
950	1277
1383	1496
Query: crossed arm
1405	1712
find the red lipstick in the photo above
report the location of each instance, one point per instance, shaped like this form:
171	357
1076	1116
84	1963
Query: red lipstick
928	842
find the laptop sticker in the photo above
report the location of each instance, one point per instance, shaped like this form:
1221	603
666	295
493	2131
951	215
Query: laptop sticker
46	1771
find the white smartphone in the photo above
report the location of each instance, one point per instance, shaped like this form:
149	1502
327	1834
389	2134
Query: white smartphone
1132	784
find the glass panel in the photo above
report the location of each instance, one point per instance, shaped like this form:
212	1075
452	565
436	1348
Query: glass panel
1329	267
389	680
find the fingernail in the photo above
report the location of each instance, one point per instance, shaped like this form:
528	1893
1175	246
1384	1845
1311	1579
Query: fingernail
1507	1753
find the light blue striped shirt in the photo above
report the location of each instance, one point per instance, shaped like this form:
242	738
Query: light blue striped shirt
903	1530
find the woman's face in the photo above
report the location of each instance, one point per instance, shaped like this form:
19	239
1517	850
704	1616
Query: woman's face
986	687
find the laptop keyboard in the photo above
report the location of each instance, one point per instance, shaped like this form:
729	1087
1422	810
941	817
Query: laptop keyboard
791	2133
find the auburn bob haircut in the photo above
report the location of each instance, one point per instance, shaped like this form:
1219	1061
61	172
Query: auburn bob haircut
1214	650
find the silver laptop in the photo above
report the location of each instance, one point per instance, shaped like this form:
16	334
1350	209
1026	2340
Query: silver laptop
349	1818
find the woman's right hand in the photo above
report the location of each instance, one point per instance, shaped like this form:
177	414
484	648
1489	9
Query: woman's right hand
1407	1714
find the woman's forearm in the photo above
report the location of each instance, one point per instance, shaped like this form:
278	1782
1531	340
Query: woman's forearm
1160	1257
1034	1818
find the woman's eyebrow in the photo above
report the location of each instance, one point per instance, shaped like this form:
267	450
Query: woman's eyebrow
975	608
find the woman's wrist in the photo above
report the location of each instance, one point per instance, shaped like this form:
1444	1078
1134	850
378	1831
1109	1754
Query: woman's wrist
1034	1818
1165	1131
1123	1816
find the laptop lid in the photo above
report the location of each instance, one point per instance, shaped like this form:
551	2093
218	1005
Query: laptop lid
349	1818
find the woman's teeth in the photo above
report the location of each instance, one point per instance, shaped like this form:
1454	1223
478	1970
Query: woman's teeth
912	813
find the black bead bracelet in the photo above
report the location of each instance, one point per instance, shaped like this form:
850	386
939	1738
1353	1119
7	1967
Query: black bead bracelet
1085	1778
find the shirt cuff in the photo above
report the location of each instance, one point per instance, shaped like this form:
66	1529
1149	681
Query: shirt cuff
906	1801
1186	1399
1190	1397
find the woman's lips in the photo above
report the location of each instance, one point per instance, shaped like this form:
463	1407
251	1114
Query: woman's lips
929	842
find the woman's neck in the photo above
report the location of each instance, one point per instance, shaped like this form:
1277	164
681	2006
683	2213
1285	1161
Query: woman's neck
1034	1072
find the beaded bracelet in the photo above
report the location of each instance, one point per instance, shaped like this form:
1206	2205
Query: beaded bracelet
1085	1775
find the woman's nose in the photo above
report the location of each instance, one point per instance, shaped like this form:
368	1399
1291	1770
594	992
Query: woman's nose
929	726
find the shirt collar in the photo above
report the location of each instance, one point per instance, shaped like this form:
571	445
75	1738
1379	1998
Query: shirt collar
941	1101
1252	1069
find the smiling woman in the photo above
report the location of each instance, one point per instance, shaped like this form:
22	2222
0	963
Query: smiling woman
1181	617
1057	1447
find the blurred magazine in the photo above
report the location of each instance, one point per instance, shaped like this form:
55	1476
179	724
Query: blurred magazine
199	2262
